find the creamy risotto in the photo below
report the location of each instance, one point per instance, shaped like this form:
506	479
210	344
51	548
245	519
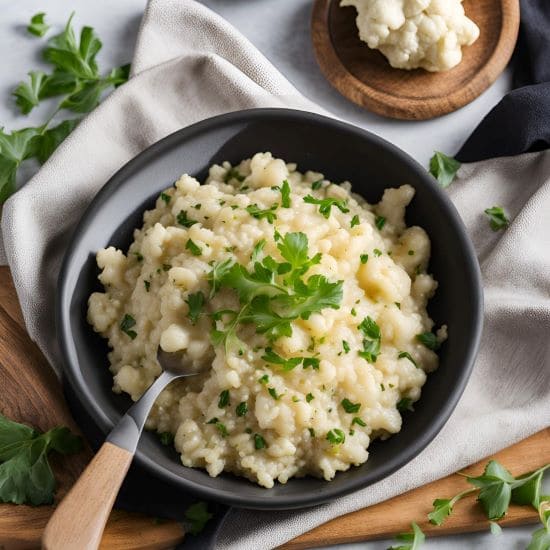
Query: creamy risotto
307	304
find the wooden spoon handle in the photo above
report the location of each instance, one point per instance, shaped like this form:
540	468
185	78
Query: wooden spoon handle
79	520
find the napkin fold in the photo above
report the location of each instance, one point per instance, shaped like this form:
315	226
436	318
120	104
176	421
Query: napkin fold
520	122
190	64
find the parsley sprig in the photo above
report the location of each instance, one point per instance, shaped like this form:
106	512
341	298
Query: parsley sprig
75	79
273	294
326	204
443	168
371	341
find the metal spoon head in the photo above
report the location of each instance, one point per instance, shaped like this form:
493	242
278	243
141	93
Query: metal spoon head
179	363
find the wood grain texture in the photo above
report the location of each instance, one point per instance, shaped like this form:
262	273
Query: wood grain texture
365	77
79	519
31	393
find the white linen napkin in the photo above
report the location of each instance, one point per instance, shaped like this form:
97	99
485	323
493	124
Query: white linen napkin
190	64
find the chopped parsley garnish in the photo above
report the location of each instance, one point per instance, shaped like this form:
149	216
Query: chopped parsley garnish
165	197
139	256
285	194
325	205
317	185
219	271
443	168
233	173
195	302
37	26
242	408
377	252
166	267
350	407
287	364
257	250
193	248
126	324
182	219
382	387
364	258
274	394
397	305
311	432
213	420
358	421
497	218
380	222
166	438
429	339
372	340
223	401
336	436
147	285
264	379
259	442
222	429
410	252
269	213
407	355
405	404
354	221
346	347
312	362
310	397
353	311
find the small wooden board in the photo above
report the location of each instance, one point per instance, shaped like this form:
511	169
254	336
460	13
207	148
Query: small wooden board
365	77
31	393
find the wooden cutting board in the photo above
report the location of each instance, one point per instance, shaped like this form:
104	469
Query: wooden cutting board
30	393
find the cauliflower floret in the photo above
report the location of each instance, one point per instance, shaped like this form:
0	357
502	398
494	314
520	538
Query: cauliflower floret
413	34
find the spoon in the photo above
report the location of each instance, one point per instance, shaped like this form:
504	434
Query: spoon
79	520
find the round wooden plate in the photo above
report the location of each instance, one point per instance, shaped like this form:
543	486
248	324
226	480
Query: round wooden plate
365	77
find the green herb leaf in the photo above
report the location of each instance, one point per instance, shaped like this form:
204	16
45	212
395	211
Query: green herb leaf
269	213
380	222
443	168
18	145
528	492
241	409
182	219
166	438
274	394
372	340
540	540
497	218
257	250
46	143
259	442
407	355
350	407
358	421
429	340
233	173
217	275
8	169
285	194
288	364
310	397
355	221
335	436
364	258
325	205
165	197
413	540
317	185
405	404
37	26
223	401
27	94
25	473
496	529
346	347
126	324
195	302
193	247
312	362
197	516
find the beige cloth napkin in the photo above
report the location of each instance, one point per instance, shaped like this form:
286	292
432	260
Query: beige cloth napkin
189	65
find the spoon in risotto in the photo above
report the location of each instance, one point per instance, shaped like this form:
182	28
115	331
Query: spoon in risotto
79	520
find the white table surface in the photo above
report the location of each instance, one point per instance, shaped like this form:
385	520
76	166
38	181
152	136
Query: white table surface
280	30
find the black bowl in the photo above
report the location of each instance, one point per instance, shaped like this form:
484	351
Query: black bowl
341	152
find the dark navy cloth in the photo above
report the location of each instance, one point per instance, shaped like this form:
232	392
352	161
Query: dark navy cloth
520	123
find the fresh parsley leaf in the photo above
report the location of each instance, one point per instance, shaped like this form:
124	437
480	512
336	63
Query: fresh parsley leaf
38	26
195	249
312	362
264	379
372	340
86	97
223	401
294	249
195	302
358	421
126	325
25	473
443	168
380	222
528	492
405	404
8	169
19	145
285	194
233	173
269	213
497	218
274	394
241	409
27	94
346	347
496	529
377	252
407	355
540	540
429	339
259	442
335	436
119	75
317	185
310	397
165	197
197	516
443	507
222	429
412	541
325	205
46	143
217	275
350	407
355	221
182	219
364	258
257	250
287	364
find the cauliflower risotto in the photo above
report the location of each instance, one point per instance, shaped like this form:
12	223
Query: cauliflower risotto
307	303
416	33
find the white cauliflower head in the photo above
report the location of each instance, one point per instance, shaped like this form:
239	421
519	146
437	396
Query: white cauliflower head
413	34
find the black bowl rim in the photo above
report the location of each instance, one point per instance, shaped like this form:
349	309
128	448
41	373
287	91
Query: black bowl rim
76	380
